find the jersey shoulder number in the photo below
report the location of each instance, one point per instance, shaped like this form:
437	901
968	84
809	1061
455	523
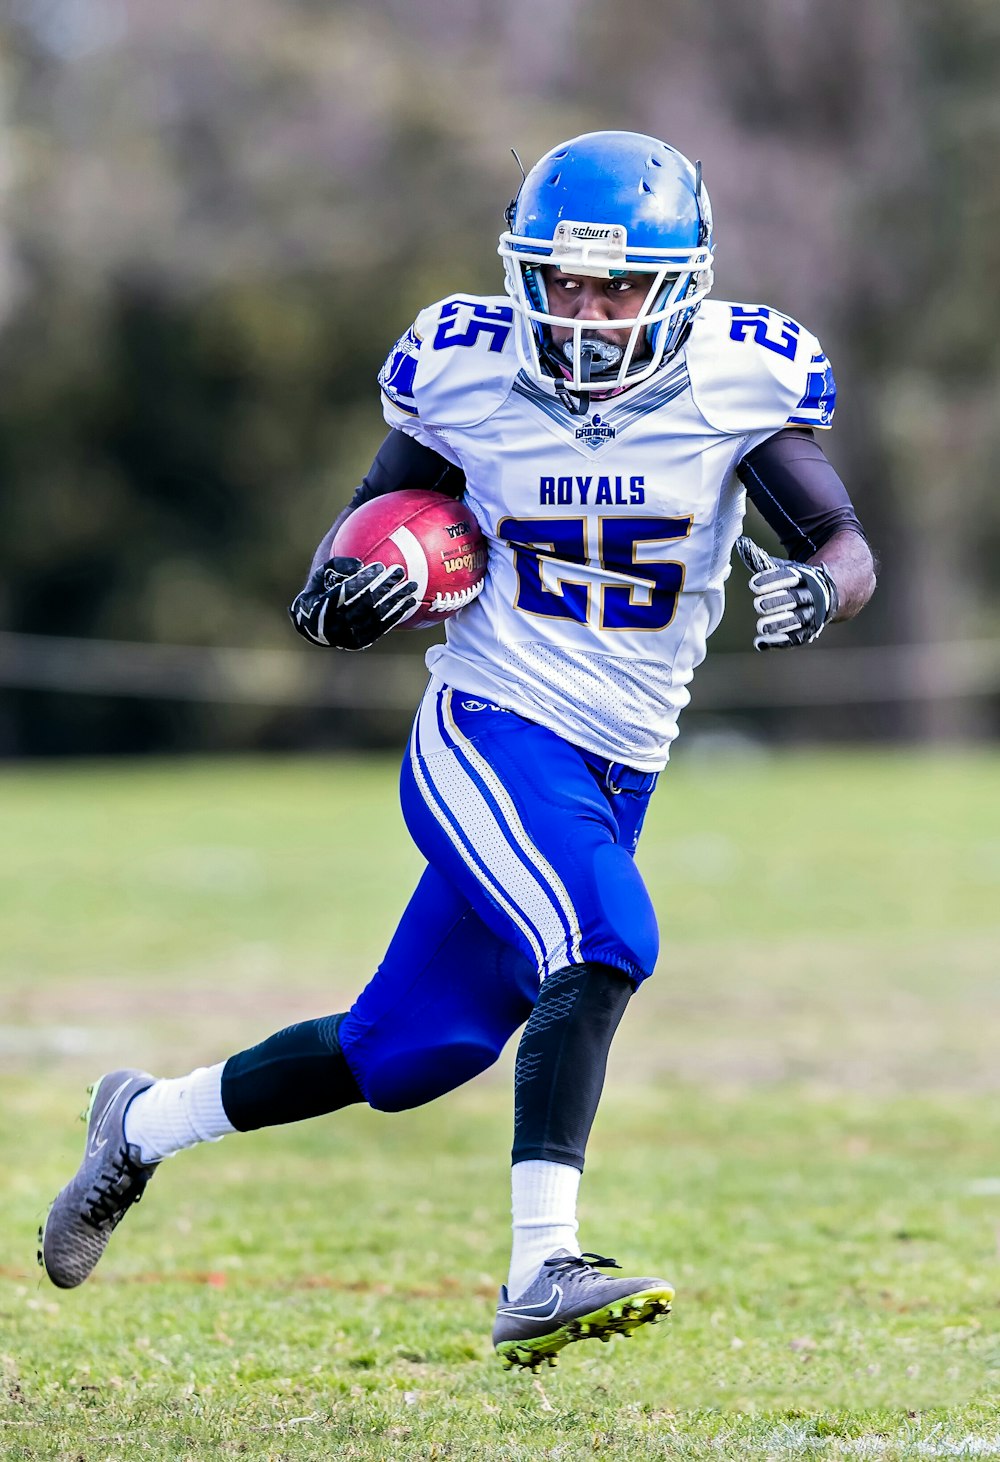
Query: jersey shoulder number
454	366
754	369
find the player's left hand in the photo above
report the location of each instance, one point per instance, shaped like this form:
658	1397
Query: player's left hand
793	600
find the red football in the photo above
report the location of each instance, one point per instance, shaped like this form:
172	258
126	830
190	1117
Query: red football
435	538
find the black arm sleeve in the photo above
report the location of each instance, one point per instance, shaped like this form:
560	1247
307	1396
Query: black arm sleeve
796	489
399	462
402	462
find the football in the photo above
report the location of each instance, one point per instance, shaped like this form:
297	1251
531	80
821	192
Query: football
435	539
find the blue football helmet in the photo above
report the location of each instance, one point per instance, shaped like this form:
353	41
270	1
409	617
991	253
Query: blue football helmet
607	204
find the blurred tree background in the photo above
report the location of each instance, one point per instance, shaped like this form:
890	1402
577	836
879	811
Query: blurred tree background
218	217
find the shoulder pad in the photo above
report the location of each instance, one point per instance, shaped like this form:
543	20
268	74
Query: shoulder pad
456	364
753	369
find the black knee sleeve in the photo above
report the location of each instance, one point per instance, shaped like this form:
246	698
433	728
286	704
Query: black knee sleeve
561	1061
299	1072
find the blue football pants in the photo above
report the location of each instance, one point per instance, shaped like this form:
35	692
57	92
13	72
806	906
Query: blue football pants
529	843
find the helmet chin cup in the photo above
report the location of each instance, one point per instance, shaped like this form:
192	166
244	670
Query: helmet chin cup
606	204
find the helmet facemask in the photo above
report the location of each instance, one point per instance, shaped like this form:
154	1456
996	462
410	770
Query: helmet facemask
585	363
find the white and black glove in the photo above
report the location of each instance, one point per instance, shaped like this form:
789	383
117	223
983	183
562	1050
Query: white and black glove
350	605
793	600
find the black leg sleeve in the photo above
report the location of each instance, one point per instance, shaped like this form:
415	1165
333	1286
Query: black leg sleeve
562	1059
299	1072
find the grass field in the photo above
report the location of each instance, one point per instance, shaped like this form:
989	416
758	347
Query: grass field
801	1128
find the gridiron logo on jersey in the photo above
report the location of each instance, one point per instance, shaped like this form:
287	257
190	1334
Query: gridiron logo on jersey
595	433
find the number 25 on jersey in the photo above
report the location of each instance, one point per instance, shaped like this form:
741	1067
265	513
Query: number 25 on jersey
546	551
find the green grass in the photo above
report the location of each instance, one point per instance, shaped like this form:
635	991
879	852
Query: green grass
801	1129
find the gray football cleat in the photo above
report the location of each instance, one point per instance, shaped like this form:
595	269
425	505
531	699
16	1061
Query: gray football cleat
568	1300
110	1179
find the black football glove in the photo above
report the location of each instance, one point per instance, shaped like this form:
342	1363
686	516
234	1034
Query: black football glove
793	600
349	604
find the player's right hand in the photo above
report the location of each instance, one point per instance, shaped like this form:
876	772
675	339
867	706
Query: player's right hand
350	605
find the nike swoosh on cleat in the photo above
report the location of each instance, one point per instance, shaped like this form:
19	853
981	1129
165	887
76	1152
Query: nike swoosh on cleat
526	1312
95	1145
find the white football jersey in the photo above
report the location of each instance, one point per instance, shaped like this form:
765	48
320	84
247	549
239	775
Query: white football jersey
609	534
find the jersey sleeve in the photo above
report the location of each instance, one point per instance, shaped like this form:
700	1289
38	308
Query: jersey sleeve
819	399
452	368
397	377
754	371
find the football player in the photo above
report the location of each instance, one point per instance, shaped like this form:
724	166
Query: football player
605	421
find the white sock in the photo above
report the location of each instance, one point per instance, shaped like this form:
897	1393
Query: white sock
171	1115
543	1204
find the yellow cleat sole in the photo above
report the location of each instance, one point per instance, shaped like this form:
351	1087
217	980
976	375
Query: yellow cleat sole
620	1318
